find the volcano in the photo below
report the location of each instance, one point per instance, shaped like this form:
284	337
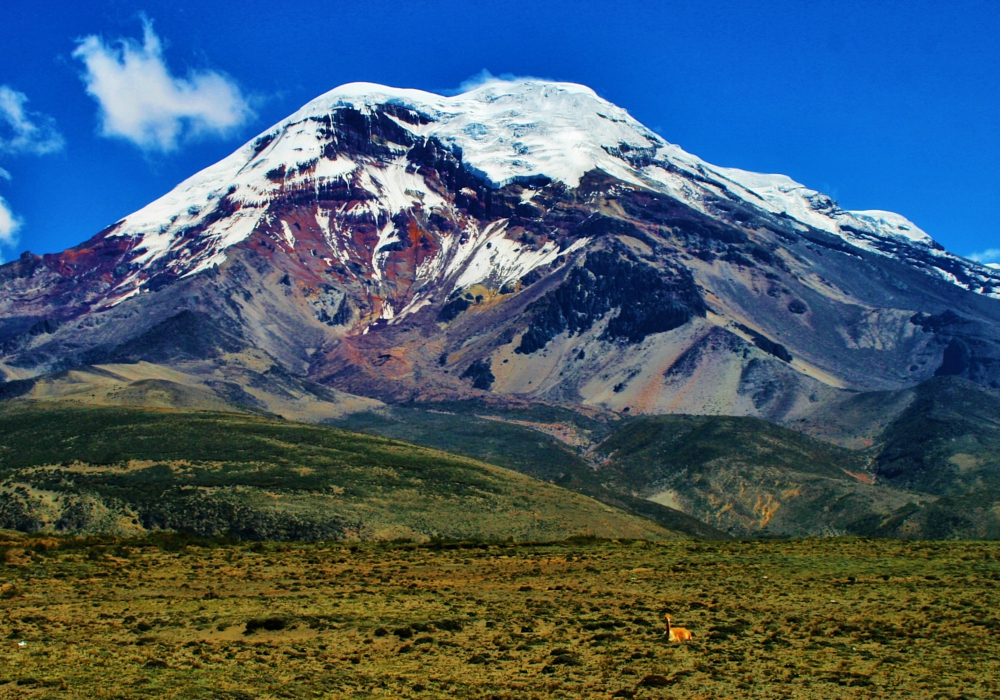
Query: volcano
525	241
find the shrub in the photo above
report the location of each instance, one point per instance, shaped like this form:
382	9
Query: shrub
271	624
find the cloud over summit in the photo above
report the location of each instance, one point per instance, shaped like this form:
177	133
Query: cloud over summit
141	101
485	77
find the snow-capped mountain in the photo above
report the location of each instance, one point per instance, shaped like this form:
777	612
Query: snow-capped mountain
505	133
526	239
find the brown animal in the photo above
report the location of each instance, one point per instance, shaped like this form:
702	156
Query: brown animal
676	634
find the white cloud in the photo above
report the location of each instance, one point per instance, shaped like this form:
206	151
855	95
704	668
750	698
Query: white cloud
9	226
484	77
990	255
142	102
22	131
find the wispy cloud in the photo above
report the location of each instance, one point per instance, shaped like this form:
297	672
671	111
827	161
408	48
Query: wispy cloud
484	77
9	226
990	255
22	131
143	102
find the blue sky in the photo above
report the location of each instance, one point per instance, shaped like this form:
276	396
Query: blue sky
883	105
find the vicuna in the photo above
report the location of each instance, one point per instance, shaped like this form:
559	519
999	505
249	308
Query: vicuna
676	634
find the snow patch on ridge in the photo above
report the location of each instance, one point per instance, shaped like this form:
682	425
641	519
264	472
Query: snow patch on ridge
782	195
501	261
881	232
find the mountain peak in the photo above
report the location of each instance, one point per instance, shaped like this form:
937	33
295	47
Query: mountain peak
523	238
507	130
521	89
503	132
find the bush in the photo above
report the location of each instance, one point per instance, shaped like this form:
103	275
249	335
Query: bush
271	624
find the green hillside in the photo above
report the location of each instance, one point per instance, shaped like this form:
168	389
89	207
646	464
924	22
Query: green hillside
122	471
723	476
515	438
946	442
924	463
746	476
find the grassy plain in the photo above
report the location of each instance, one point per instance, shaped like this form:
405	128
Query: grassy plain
175	618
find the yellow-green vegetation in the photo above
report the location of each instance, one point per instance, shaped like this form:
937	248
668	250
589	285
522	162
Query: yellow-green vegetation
127	471
175	618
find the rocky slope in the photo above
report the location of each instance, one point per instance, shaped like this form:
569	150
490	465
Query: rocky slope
525	240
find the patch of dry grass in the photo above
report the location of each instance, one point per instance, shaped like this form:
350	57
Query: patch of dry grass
788	619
